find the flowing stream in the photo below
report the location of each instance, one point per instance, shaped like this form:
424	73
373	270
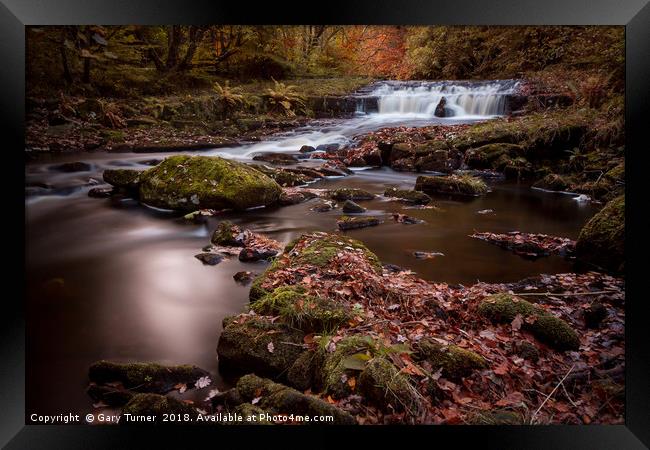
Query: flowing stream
110	279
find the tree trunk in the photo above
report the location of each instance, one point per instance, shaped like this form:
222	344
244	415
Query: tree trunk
86	74
195	37
173	41
67	76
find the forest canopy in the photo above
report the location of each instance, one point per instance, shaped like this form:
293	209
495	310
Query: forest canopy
118	61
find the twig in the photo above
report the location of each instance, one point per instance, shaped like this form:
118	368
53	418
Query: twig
568	294
551	394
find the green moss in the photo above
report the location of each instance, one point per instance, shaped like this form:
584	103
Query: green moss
617	173
602	240
304	371
156	405
283	177
319	252
546	327
495	417
354	222
343	194
245	342
384	386
492	155
454	184
123	178
305	312
454	361
257	290
334	367
252	412
225	234
282	399
150	377
190	182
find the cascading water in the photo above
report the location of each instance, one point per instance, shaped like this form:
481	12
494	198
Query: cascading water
462	99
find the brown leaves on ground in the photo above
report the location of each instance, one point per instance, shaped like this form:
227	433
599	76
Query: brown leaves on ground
399	309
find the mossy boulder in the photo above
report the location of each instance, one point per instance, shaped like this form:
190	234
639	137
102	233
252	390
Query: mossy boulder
188	183
145	377
503	308
343	194
305	370
384	386
282	399
122	178
455	362
602	240
302	311
155	405
349	207
463	185
319	252
553	182
251	415
253	344
408	196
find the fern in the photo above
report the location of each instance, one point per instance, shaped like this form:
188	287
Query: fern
283	99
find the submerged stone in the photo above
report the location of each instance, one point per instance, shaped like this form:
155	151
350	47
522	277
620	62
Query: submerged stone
349	207
350	223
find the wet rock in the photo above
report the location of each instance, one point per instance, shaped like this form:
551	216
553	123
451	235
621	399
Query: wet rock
351	223
122	178
328	148
189	182
253	344
492	156
343	194
280	398
404	165
100	192
602	240
304	372
70	167
210	259
284	177
408	196
306	149
228	234
454	361
349	207
291	196
403	218
553	182
454	184
229	399
276	158
595	314
156	406
427	255
440	108
323	206
109	395
502	308
145	377
256	254
151	162
437	161
243	277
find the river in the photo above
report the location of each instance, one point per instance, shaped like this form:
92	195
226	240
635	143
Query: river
111	279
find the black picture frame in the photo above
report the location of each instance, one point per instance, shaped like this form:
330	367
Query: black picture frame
16	14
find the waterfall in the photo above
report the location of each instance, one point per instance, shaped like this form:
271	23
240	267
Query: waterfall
421	98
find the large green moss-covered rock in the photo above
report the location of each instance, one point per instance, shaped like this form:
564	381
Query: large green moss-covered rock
543	325
602	239
155	405
145	377
282	399
251	344
199	182
487	156
408	196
